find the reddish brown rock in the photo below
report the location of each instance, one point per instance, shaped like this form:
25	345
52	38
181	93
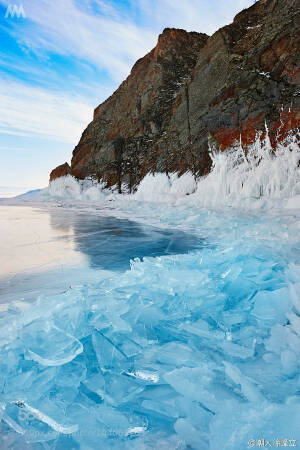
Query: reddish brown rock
122	141
192	89
60	171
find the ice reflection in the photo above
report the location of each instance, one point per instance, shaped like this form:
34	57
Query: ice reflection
29	242
110	243
46	249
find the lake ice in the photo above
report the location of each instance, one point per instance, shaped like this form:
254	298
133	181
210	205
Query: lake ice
52	249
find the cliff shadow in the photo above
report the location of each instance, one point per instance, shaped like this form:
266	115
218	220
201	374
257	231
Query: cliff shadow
110	243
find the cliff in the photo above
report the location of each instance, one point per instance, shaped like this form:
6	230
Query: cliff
192	90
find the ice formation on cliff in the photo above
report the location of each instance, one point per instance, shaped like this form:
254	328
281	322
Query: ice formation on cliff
249	177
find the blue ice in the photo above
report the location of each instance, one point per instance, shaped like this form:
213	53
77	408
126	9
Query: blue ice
192	351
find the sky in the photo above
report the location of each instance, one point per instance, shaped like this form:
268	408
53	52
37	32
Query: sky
61	58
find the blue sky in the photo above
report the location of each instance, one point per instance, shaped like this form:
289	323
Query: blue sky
65	57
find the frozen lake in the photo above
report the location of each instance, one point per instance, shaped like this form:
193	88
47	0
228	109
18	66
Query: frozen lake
196	345
51	249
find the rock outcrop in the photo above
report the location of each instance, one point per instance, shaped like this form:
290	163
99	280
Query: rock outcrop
60	171
127	137
192	90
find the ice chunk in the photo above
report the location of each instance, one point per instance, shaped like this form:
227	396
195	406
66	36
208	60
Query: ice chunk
195	384
166	407
289	361
48	345
197	415
150	316
190	435
248	389
295	295
94	388
91	431
15	384
108	354
41	382
125	343
295	322
278	338
234	317
72	373
293	340
120	389
202	329
271	305
96	382
114	420
176	354
236	350
158	392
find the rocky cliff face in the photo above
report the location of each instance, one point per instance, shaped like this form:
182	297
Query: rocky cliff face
192	91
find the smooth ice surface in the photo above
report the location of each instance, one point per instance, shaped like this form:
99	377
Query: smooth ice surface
188	350
43	249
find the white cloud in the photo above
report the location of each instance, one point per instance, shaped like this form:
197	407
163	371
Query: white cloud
193	15
108	41
28	111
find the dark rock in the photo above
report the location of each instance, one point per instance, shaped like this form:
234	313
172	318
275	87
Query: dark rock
191	90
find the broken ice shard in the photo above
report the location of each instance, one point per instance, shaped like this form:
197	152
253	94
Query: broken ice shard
48	345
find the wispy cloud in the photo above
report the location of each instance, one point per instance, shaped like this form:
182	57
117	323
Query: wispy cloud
28	111
193	15
108	41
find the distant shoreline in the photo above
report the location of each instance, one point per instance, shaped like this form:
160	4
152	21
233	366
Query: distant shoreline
9	191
